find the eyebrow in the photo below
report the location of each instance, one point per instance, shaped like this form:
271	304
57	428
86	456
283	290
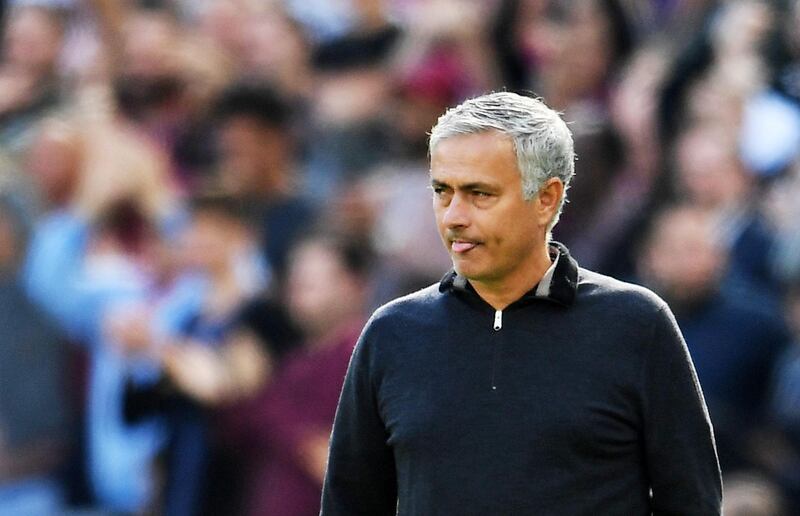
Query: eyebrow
467	186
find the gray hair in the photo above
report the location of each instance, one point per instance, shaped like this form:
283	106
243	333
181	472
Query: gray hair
542	141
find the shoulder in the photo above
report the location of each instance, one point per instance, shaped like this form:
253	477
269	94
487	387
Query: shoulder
615	296
407	309
644	321
392	330
410	315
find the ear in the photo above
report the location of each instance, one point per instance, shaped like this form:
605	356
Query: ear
549	199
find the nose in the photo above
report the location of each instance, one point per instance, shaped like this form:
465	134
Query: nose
456	214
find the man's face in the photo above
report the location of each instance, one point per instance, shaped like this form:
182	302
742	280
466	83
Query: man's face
708	171
149	43
32	40
320	291
682	260
490	231
248	153
209	241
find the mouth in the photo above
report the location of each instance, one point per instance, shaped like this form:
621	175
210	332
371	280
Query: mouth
463	246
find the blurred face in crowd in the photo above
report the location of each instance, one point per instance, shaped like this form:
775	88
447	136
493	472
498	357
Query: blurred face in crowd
221	22
252	156
212	239
575	52
491	232
274	48
53	161
682	260
150	44
33	40
351	96
586	46
151	73
718	97
321	292
708	168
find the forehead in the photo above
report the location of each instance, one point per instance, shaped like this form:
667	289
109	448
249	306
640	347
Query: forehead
683	225
319	261
481	156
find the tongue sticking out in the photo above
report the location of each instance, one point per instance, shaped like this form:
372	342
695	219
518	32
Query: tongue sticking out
463	247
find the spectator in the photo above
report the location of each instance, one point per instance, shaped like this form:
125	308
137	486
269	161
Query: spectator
350	132
257	164
35	421
204	364
29	83
710	174
277	51
734	339
786	398
590	43
89	258
326	293
30	90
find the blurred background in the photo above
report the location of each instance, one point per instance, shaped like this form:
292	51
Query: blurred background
201	201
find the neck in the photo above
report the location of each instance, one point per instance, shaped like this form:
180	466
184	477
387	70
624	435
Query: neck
501	293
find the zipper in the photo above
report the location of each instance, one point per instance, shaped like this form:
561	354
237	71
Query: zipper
497	326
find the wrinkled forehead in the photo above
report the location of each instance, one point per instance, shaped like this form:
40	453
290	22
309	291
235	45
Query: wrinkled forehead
500	138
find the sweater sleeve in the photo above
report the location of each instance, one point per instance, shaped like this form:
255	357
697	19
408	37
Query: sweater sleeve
679	442
51	273
360	479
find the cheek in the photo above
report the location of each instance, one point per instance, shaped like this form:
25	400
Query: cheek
514	226
438	216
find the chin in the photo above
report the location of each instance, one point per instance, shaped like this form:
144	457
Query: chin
469	271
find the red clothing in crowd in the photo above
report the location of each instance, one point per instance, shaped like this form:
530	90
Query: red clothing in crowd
300	403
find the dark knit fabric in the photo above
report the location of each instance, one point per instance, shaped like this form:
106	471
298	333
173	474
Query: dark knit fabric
582	402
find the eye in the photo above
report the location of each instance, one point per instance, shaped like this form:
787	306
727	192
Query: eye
482	194
439	190
483	198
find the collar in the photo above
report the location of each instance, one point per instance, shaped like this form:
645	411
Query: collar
558	285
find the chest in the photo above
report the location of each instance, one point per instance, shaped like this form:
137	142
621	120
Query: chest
516	392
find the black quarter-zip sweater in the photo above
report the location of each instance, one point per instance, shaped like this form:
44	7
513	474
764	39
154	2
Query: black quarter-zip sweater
578	399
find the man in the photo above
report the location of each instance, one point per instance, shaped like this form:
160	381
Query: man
256	163
520	384
734	332
35	413
326	292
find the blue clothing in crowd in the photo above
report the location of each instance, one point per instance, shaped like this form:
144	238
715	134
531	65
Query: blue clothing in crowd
79	295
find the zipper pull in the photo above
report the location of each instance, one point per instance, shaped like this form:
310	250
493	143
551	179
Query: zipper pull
498	320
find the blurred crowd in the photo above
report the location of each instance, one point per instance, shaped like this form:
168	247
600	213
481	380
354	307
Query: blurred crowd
201	201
